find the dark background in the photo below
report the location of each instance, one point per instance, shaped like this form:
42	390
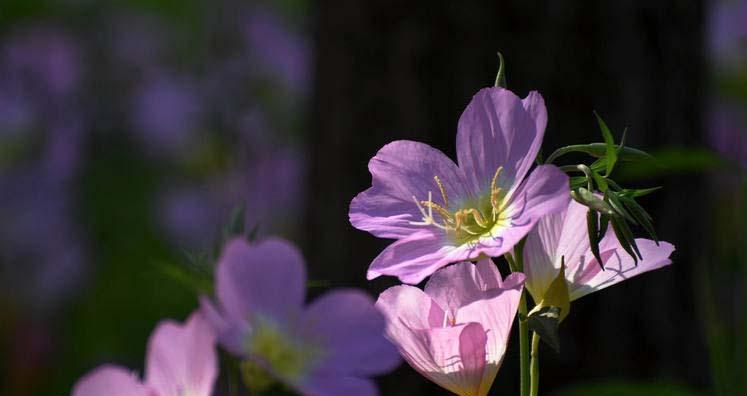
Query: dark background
378	71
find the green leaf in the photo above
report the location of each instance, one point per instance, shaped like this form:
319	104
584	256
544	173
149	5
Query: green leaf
609	141
625	237
599	180
641	192
592	221
599	150
236	221
545	322
618	206
640	214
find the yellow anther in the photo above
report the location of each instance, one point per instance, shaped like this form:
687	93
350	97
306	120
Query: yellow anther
495	193
477	216
494	183
443	212
443	191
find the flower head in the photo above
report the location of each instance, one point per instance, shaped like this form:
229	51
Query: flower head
441	212
563	238
181	361
456	331
327	348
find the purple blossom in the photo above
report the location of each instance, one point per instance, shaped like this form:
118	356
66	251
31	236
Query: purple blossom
181	361
166	112
456	331
327	348
278	50
563	237
727	32
441	213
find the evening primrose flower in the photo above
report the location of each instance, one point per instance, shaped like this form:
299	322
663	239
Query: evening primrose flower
181	361
455	332
561	240
328	348
441	213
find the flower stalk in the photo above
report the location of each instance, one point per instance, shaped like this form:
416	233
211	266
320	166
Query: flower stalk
516	263
534	370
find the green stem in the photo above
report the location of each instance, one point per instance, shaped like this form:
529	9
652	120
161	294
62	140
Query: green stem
534	371
524	346
517	265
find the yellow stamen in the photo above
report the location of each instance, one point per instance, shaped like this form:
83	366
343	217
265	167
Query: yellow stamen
495	193
443	191
443	212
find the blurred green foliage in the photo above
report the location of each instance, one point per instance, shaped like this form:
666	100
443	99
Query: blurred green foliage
625	388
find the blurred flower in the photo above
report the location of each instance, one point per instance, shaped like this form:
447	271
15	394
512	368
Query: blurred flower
181	361
166	113
727	132
279	51
728	33
563	237
456	332
483	206
329	347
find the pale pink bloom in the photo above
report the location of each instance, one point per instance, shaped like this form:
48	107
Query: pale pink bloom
564	237
181	361
455	332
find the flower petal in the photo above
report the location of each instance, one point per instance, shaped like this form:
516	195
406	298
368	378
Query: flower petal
351	330
459	354
563	234
495	312
230	334
110	380
460	284
499	129
267	278
182	358
544	192
412	259
400	171
619	266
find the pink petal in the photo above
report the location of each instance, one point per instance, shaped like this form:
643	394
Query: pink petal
495	312
111	380
182	358
400	171
460	284
620	266
267	278
544	192
351	330
458	356
499	129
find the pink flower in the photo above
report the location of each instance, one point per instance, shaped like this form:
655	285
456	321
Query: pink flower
327	348
456	332
181	361
441	213
564	236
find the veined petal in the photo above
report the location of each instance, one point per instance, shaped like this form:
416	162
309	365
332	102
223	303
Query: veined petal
267	278
458	353
544	192
400	171
495	312
111	380
499	129
182	359
413	258
351	330
619	266
463	283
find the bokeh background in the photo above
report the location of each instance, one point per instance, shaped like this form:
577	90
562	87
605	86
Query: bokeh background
135	135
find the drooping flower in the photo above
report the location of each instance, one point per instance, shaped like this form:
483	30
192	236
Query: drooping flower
441	213
328	348
455	332
563	238
181	361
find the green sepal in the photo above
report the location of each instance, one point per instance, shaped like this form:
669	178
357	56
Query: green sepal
618	207
500	78
599	150
640	214
587	198
545	322
235	225
625	237
600	181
